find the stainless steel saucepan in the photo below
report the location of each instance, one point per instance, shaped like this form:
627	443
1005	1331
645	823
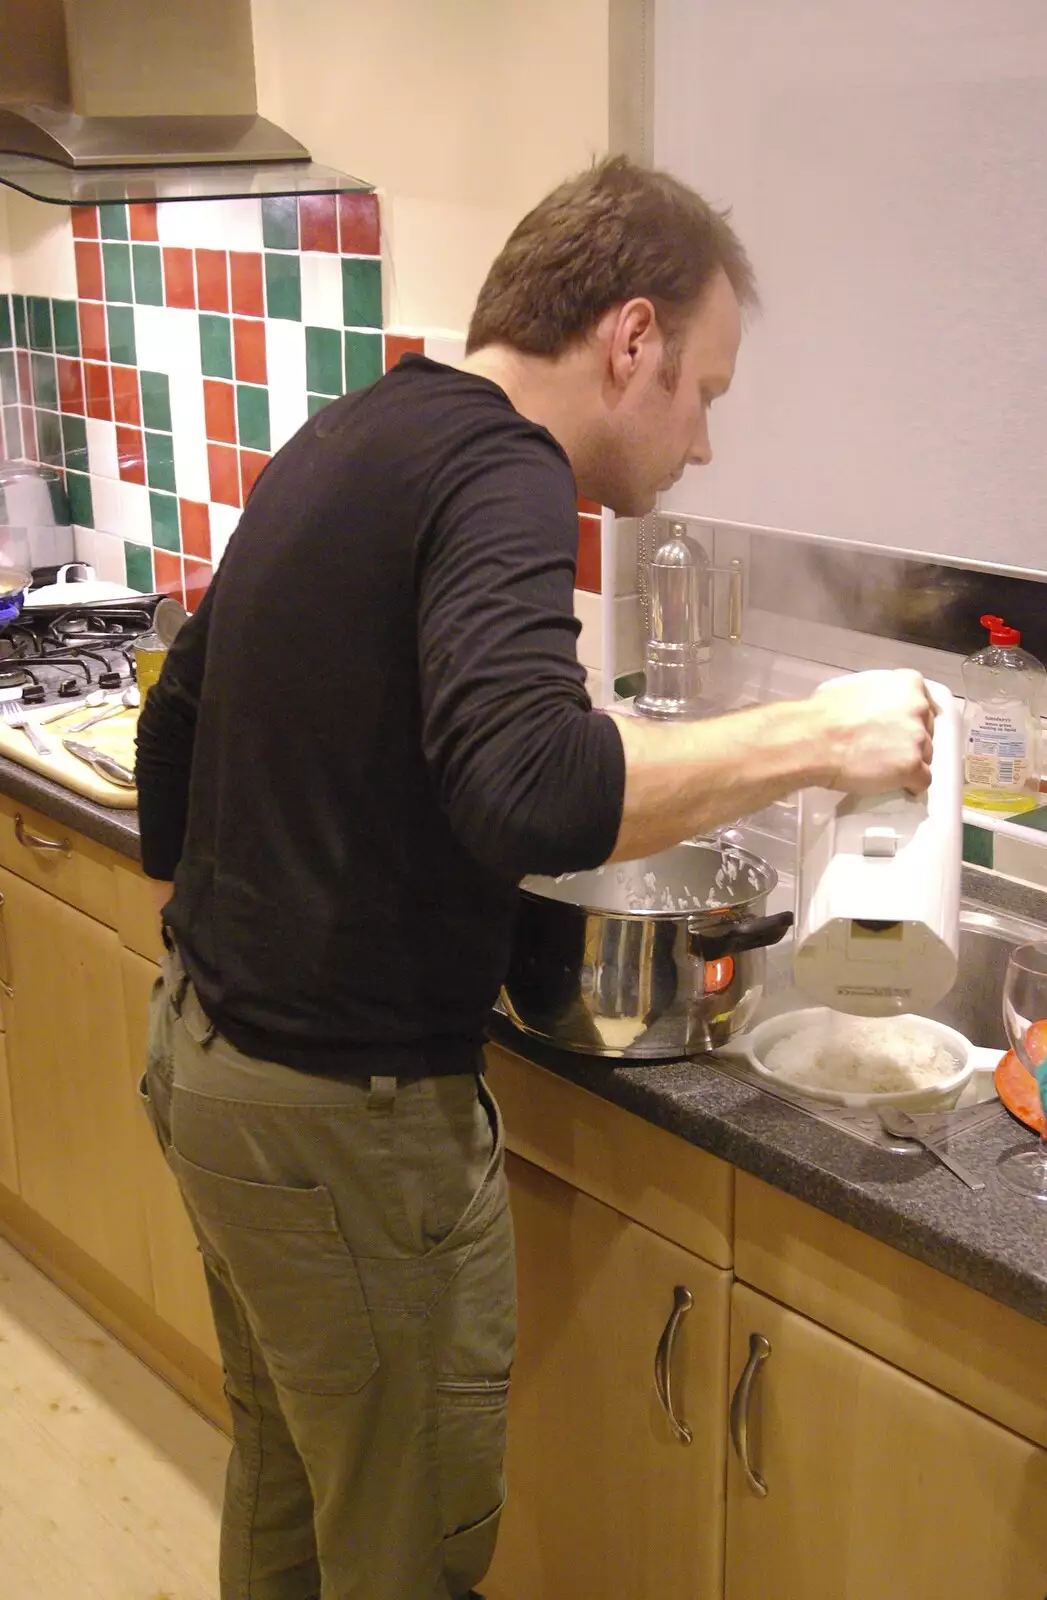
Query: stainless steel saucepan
646	959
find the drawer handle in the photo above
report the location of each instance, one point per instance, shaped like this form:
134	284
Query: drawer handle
759	1350
683	1300
34	841
5	962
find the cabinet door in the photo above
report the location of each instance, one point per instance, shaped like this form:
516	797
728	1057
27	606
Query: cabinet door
877	1485
179	1291
76	1120
603	1499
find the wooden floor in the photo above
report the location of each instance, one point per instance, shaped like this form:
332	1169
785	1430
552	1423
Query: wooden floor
110	1484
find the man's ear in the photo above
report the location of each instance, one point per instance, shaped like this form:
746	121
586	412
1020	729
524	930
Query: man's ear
634	337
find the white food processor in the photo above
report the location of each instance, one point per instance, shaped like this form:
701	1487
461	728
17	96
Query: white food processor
878	887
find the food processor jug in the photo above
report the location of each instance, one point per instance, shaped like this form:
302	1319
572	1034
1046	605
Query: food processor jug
878	887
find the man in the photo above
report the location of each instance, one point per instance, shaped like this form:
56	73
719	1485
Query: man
372	728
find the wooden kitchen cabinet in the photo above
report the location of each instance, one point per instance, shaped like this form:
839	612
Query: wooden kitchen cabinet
8	1153
179	1293
76	1122
603	1499
878	1486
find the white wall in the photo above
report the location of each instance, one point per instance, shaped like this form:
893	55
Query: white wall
462	112
39	248
6	284
887	164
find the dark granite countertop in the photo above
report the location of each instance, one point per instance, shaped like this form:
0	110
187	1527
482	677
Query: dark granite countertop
994	1240
115	826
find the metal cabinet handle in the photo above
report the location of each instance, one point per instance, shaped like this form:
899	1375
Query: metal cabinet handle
5	961
759	1350
734	598
34	841
734	603
683	1300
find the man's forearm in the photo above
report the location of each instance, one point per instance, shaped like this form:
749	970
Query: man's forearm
869	735
689	778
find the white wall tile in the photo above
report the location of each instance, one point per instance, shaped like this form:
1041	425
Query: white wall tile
241	224
101	448
223	525
189	440
181	341
624	544
445	347
288	411
104	551
594	684
45	547
108	506
152	338
1021	858
321	290
187	403
285	349
589	611
192	475
136	523
288	407
194	224
629	642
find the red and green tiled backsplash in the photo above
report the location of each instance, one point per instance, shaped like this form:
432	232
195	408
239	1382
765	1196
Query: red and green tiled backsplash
203	336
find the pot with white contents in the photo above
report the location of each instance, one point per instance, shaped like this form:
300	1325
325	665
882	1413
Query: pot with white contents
644	960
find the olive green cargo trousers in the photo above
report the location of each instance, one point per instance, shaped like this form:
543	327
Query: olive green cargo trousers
358	1248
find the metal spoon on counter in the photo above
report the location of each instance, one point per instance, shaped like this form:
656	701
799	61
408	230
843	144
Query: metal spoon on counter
114	704
130	697
97	697
900	1125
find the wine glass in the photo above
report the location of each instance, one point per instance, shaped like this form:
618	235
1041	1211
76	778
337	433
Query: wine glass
1025	1018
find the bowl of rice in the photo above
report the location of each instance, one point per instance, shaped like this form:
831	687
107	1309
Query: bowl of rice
863	1062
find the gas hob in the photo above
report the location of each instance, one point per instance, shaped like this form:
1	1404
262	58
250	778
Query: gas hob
55	656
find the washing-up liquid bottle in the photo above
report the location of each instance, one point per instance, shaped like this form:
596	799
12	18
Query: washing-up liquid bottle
1001	724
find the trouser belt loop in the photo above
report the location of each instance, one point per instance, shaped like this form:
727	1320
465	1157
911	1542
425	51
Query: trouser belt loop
383	1094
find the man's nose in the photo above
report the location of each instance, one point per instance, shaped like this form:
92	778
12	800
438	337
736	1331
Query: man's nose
701	450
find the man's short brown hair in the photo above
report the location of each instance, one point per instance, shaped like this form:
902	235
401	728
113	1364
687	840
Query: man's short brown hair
615	233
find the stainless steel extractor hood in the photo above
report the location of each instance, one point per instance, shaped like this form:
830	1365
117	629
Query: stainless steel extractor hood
79	125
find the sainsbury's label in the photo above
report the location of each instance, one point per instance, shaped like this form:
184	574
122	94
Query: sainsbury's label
997	755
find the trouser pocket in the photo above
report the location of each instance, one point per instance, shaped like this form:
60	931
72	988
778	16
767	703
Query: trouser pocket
472	1420
297	1278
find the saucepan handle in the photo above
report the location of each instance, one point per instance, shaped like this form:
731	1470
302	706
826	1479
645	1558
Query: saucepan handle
748	933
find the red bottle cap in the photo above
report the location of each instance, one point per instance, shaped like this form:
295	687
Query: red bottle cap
999	633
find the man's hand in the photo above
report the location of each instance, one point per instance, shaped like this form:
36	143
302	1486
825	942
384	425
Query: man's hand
868	735
878	729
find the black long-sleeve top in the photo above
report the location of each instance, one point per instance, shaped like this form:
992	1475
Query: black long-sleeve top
373	727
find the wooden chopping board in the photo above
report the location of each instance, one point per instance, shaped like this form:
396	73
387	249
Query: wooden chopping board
115	737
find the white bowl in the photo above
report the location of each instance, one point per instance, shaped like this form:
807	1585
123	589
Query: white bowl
938	1096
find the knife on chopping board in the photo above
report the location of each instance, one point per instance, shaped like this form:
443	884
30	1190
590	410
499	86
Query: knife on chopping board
104	765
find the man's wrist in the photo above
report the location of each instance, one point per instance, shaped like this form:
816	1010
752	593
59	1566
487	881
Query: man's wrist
807	743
